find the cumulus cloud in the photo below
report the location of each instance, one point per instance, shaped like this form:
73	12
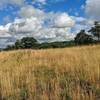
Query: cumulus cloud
93	9
36	27
25	26
44	26
29	11
63	20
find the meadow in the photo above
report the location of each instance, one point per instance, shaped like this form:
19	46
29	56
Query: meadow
52	74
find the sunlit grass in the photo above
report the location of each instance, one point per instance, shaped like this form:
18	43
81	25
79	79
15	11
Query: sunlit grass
53	74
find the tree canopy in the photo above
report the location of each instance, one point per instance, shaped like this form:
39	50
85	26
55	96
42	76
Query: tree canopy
83	38
95	30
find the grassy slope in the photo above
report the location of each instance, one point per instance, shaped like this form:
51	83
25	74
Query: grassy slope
53	74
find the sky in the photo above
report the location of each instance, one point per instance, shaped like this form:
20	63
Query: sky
45	20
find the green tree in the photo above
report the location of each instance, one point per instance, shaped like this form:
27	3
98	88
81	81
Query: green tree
18	44
83	38
26	43
96	30
10	47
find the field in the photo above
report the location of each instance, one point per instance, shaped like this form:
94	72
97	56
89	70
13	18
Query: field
52	74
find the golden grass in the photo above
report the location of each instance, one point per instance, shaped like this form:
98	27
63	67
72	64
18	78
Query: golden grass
53	74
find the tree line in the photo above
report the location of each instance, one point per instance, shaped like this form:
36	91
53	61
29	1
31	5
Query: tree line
82	38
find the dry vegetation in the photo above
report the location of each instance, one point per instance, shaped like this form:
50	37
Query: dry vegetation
53	74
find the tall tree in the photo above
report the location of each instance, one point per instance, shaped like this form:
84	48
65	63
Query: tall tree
95	30
83	38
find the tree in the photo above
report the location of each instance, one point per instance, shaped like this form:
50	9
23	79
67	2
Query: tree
18	44
26	43
83	38
96	30
9	47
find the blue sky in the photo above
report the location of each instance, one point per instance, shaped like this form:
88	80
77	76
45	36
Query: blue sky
45	20
72	7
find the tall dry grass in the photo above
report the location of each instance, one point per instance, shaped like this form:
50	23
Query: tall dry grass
53	74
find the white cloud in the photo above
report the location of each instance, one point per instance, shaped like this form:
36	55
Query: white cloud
45	1
29	11
63	20
25	26
40	1
93	9
36	28
82	23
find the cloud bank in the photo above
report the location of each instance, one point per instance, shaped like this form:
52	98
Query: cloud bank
45	27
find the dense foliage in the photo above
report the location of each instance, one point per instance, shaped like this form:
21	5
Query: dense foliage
95	30
83	38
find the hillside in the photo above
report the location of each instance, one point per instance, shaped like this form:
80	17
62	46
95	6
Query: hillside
52	74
